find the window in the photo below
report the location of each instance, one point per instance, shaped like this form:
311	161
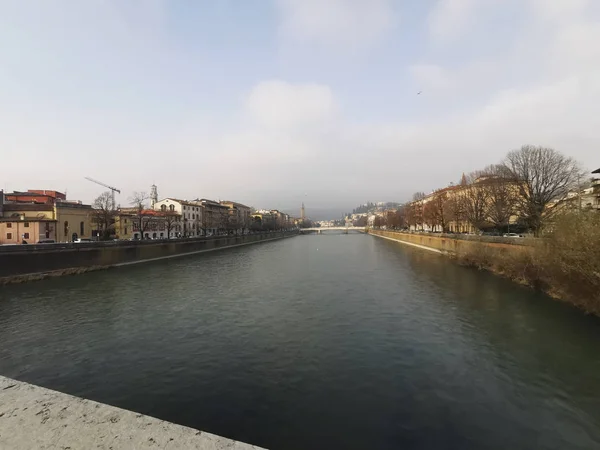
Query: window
153	235
26	224
81	229
125	230
172	207
66	228
162	235
9	236
25	235
163	207
9	225
193	216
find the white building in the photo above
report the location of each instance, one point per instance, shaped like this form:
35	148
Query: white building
189	220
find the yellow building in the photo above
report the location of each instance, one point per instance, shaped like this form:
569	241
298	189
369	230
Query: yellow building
124	225
26	223
74	220
37	215
486	203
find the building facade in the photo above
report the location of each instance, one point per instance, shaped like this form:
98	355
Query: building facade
35	215
215	217
74	220
27	223
186	215
239	217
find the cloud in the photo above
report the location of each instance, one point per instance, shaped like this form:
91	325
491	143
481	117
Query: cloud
559	10
280	104
336	23
118	108
430	76
449	18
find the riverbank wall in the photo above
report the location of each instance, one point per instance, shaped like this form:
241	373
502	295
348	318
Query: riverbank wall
35	417
21	263
453	245
530	262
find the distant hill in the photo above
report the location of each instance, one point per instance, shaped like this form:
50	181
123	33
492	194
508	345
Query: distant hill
319	213
326	213
370	207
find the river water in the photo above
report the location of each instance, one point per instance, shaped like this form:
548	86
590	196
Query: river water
316	342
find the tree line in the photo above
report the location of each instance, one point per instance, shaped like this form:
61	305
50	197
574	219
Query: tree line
523	191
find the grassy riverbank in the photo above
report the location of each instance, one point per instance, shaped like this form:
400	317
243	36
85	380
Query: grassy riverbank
565	263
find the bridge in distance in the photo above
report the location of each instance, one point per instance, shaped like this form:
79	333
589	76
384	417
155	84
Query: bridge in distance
320	230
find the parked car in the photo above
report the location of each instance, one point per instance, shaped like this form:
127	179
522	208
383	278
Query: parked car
82	240
511	235
46	241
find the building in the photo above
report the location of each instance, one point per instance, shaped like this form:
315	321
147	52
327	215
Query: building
43	214
262	221
587	196
187	216
282	220
215	217
26	222
124	224
35	196
74	220
239	216
153	196
131	223
485	204
594	200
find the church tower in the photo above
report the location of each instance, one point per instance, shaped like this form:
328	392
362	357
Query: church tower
302	213
153	196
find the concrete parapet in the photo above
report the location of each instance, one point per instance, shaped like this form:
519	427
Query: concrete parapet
32	417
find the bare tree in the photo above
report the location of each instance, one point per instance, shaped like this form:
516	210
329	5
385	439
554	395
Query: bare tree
378	222
224	219
138	200
234	221
418	205
502	196
429	218
543	176
170	219
104	214
439	210
455	207
474	200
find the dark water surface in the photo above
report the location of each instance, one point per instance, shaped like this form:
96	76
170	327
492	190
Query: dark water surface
316	342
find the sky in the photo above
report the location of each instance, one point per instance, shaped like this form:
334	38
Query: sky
277	102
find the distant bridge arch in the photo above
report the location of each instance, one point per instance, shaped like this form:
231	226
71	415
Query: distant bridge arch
320	230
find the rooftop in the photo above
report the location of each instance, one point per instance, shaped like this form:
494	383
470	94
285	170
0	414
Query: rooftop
27	207
236	204
183	202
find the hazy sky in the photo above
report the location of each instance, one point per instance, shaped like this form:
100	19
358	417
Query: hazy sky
272	103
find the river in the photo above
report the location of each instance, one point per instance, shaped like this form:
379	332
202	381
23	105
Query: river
316	342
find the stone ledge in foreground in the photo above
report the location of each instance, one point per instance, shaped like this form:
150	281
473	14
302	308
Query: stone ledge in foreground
35	417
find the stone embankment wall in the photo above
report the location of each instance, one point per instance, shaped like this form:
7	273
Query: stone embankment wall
454	245
29	262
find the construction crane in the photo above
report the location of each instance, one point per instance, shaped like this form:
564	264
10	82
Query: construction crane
112	189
